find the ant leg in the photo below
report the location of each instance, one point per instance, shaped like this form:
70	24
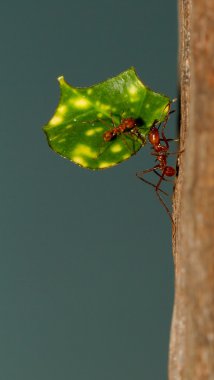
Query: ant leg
160	180
125	142
128	134
167	117
112	120
140	175
164	138
106	146
157	189
103	146
106	123
164	205
96	121
101	151
158	154
151	184
123	113
180	151
137	134
164	126
164	179
176	140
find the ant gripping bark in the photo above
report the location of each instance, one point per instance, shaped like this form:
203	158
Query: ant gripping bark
161	152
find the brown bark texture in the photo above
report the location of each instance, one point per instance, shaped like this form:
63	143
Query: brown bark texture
191	355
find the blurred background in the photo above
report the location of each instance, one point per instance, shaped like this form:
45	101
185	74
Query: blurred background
86	271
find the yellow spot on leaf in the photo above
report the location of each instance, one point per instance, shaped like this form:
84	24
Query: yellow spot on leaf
134	99
90	132
116	148
125	156
68	126
62	109
84	150
79	160
104	107
166	110
105	164
132	90
61	141
56	120
89	91
80	103
99	129
99	114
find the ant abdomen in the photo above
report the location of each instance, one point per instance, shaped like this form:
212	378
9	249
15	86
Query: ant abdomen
169	171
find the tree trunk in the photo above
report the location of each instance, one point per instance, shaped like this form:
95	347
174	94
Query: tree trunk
191	354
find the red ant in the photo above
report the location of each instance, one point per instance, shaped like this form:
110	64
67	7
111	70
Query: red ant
126	125
161	152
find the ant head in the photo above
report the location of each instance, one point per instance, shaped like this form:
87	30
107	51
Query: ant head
154	137
154	129
108	136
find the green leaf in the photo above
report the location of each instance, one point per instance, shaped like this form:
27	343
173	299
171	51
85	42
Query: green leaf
84	114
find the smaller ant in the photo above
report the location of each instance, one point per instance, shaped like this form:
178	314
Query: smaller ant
129	125
161	152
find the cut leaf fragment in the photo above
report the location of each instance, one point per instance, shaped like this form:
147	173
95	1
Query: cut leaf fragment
83	115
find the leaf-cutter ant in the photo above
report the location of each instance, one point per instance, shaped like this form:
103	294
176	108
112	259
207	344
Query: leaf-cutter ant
160	149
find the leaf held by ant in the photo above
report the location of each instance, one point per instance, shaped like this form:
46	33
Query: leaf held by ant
92	126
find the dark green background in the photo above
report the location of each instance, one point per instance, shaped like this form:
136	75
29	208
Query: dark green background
86	273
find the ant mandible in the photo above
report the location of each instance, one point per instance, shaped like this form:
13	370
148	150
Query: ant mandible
161	152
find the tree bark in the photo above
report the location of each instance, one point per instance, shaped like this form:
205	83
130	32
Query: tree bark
191	354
